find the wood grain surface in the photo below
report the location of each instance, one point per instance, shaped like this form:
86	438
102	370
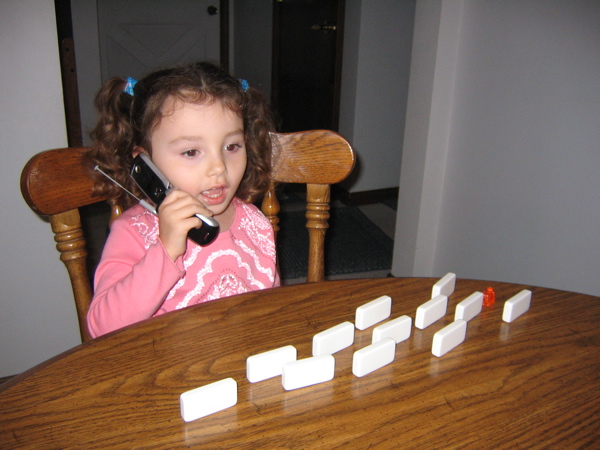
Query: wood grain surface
532	383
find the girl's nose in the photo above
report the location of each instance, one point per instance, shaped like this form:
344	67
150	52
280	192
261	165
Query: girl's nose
217	166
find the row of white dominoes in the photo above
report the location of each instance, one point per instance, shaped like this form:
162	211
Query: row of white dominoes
433	310
297	373
320	367
382	349
454	334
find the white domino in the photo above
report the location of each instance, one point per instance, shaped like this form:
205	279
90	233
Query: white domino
469	307
333	339
445	286
398	329
431	311
516	306
373	357
449	337
308	371
375	311
208	399
269	364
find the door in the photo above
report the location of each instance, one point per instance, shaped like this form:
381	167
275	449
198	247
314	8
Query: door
138	36
307	49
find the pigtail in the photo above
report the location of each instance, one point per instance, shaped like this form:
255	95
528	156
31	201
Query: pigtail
112	142
258	123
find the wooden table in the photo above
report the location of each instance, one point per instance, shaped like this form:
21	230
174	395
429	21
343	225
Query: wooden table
534	382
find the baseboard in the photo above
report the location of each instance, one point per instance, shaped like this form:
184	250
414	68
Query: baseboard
339	193
364	197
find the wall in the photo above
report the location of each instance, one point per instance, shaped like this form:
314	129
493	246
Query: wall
499	174
375	73
37	312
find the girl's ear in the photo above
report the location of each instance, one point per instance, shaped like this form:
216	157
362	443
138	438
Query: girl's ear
137	150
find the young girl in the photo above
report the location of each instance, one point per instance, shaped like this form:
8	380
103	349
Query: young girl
208	133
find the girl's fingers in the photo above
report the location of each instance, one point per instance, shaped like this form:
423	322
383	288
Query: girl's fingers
182	201
177	216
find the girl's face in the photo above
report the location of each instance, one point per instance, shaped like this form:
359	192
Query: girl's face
201	150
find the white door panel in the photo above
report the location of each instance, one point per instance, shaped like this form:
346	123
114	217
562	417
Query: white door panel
138	36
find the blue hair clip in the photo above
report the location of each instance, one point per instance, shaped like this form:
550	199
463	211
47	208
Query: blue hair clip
244	84
129	86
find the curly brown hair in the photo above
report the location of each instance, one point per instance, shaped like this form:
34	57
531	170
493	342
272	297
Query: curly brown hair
126	121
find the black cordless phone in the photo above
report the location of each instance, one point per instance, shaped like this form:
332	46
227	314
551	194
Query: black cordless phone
156	187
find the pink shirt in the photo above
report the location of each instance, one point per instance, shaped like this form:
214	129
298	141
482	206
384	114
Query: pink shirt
136	279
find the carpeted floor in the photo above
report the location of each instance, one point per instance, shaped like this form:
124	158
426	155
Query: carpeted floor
352	244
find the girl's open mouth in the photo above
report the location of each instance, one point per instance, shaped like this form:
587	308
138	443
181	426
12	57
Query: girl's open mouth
214	196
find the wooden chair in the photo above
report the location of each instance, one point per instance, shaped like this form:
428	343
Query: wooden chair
54	184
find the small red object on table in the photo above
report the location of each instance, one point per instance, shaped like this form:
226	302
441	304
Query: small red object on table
489	297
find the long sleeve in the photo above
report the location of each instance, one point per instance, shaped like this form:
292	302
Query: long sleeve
136	279
132	279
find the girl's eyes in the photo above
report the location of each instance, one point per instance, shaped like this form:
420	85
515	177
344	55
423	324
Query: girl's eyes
232	147
193	152
190	153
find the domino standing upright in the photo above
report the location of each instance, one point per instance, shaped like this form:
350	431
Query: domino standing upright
398	329
431	311
208	399
516	306
333	339
445	286
469	307
308	371
269	364
373	357
375	311
449	337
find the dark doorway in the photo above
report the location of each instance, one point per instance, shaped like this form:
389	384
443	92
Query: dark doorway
307	60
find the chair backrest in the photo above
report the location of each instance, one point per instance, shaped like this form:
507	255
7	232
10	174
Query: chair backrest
318	159
54	183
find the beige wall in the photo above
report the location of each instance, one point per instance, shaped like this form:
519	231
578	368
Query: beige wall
37	313
499	173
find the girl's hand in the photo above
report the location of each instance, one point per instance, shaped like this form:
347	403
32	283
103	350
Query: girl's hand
176	217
